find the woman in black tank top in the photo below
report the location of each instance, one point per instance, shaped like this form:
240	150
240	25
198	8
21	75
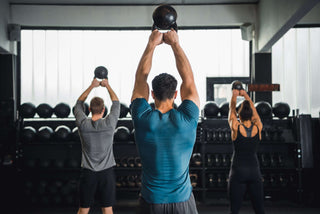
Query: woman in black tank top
245	172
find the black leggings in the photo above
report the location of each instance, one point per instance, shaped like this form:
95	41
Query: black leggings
242	179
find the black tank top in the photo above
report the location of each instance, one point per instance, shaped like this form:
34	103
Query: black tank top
245	149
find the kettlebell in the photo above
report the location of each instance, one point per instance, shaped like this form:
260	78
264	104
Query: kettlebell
101	72
164	18
236	85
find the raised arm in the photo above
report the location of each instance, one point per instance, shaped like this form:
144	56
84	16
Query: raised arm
141	87
232	117
188	88
255	116
95	83
113	96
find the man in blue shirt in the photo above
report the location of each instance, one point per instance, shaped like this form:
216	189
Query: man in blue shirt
165	136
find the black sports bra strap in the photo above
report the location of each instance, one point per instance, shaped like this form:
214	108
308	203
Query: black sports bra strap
248	130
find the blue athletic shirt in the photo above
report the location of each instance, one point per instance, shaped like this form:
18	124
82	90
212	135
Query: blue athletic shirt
165	143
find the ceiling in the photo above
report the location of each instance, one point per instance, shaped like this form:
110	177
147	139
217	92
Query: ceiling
130	2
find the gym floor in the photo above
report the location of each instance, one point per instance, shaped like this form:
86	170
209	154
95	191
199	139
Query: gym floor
270	207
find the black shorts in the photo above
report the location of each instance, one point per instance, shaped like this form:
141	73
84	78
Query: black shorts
100	185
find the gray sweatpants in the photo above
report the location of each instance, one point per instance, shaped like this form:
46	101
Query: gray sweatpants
186	207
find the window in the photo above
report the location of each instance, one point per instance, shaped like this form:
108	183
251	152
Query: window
295	62
57	65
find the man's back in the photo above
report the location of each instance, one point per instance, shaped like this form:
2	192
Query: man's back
165	143
97	138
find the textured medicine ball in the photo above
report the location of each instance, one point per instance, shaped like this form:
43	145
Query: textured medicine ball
101	72
62	110
45	133
211	109
62	132
264	109
44	110
75	134
224	109
281	110
164	17
85	108
105	111
124	110
122	133
28	134
27	110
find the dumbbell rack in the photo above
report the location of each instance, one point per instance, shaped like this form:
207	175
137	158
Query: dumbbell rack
50	170
209	165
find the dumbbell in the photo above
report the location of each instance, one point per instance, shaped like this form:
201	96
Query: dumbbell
41	188
196	159
138	181
194	179
45	133
28	134
62	133
75	134
208	135
72	163
225	160
265	160
283	181
122	133
215	134
124	162
65	189
30	163
131	180
220	180
119	181
217	160
137	162
44	200
280	160
118	164
273	180
220	135
209	161
131	162
273	160
58	163
44	163
227	135
56	199
211	180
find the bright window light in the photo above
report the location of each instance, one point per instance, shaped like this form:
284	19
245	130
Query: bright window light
58	65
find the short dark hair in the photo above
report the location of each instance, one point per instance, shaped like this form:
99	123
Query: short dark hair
96	105
164	86
245	111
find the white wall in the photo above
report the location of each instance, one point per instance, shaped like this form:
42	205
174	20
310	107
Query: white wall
129	16
4	20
